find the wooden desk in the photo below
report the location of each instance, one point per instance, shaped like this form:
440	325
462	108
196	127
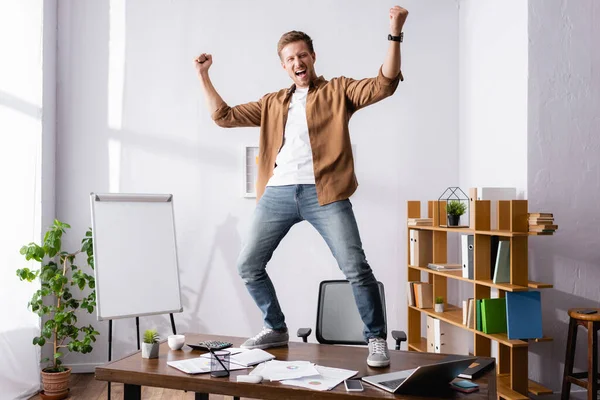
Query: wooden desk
134	372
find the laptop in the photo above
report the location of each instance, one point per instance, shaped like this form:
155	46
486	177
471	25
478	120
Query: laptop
422	378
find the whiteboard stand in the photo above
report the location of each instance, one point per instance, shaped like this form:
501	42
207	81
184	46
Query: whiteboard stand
135	252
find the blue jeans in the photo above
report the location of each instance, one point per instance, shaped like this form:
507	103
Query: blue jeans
276	212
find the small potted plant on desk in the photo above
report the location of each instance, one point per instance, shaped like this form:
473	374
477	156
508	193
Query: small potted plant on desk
439	304
56	302
455	209
150	345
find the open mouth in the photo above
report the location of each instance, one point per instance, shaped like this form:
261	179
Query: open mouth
301	73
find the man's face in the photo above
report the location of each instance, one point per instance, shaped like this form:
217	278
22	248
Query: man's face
299	63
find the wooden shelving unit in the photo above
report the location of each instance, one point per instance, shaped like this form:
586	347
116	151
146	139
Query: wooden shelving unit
512	215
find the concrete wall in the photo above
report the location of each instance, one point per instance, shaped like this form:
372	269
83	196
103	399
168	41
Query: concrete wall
564	169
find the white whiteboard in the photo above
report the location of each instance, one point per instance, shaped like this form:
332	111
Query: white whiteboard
135	255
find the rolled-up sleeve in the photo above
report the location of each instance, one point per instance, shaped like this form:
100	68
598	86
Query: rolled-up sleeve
364	92
243	115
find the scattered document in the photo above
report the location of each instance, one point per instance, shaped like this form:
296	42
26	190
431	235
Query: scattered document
280	370
327	379
251	357
199	365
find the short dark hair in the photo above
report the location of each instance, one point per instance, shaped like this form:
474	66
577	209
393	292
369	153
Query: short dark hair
294	36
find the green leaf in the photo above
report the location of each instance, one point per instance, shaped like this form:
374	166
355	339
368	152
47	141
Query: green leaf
45	360
57	354
41	342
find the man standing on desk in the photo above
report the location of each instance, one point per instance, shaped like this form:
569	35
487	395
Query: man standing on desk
306	172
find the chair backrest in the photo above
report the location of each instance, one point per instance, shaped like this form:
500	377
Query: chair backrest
338	320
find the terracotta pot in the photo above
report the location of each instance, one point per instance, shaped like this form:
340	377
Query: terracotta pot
56	384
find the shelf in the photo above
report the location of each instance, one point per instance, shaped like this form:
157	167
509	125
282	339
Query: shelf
453	315
533	387
448	274
503	286
542	339
421	346
471	231
539	285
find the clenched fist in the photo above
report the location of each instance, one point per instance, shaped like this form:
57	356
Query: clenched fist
397	18
203	63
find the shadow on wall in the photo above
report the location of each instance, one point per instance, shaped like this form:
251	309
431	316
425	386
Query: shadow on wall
569	276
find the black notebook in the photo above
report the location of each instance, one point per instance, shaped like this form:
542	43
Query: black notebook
477	367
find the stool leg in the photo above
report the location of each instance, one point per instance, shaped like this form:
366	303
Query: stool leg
569	359
592	360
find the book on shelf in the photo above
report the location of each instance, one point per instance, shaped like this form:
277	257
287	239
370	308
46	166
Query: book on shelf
410	291
524	315
467	256
444	267
423	294
478	315
470	313
420	221
421	247
541	215
493	315
502	268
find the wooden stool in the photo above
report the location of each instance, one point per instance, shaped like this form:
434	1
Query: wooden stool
592	323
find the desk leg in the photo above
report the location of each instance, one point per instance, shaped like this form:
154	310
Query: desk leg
132	392
201	396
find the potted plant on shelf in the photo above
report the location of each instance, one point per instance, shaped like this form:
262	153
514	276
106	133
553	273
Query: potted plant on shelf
150	345
56	303
439	304
455	209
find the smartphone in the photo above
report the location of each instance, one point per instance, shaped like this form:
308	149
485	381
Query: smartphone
464	386
587	311
353	385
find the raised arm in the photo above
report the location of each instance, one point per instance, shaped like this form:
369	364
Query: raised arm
391	66
213	99
248	114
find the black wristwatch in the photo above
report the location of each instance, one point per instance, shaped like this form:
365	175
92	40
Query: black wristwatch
396	38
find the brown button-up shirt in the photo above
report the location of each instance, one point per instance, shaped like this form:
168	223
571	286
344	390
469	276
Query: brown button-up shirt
329	106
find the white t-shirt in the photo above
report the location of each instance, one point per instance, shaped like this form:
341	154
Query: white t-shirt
295	161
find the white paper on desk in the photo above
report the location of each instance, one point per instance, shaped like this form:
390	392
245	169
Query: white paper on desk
279	370
251	357
198	365
327	379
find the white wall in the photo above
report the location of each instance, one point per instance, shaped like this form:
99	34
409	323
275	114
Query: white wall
493	94
27	101
131	118
564	169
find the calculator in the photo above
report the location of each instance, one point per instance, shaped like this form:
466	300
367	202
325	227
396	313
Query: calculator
211	344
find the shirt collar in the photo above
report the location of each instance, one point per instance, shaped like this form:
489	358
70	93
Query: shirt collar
315	83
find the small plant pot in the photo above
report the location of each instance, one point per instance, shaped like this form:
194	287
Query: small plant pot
56	384
150	350
453	220
438	307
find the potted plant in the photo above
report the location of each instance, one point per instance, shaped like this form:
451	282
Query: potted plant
439	304
455	209
150	345
56	302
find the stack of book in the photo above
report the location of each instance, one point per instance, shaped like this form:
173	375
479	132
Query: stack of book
420	222
542	224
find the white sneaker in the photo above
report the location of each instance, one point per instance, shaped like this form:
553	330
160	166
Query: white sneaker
378	353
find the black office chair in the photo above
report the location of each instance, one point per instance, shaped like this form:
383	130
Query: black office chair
338	320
